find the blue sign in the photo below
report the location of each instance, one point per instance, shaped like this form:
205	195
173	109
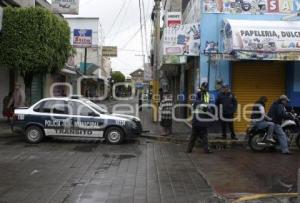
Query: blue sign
83	38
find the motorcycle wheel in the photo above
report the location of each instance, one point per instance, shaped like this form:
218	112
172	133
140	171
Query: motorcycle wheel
298	141
253	143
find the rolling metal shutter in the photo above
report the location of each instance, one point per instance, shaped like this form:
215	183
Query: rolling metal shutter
251	80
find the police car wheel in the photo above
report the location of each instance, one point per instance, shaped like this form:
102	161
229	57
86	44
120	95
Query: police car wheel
34	134
114	135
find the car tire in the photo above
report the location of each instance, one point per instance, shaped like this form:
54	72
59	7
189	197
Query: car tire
114	135
34	135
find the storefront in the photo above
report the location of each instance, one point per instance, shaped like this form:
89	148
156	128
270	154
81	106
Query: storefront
257	55
264	50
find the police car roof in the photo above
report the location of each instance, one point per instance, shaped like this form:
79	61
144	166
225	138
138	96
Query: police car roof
64	98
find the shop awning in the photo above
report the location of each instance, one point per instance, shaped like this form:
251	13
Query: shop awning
68	71
268	40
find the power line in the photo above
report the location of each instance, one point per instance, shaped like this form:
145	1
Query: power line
141	28
118	15
133	36
122	19
145	27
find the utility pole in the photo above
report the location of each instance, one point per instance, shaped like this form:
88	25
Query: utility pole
85	60
156	59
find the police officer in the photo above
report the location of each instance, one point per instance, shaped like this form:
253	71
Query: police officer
200	119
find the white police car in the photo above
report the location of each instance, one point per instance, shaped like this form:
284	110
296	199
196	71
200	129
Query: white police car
73	117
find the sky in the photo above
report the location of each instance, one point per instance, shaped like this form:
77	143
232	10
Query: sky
121	30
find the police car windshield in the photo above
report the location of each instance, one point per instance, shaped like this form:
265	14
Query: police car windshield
96	107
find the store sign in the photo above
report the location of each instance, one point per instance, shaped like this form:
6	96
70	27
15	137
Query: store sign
65	6
82	38
182	40
263	36
251	6
110	51
173	19
174	59
1	17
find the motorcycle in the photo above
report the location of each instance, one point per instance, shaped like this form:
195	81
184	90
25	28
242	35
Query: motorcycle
257	137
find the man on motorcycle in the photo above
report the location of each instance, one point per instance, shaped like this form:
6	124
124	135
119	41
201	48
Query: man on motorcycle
278	113
261	120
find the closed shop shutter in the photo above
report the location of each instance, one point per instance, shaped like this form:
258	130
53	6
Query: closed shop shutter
37	89
251	80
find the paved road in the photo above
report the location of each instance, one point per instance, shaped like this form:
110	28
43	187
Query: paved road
237	171
62	171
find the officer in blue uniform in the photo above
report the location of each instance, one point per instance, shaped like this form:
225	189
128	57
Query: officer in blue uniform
200	119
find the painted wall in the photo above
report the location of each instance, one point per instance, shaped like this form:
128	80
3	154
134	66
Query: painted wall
211	30
293	83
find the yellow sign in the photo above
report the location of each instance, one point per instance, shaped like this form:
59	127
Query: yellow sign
110	51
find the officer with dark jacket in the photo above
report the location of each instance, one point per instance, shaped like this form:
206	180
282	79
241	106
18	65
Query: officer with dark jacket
278	113
227	105
201	119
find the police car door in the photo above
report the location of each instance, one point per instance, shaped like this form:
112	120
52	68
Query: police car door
86	122
55	118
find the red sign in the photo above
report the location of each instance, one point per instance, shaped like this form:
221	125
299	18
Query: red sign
173	23
273	6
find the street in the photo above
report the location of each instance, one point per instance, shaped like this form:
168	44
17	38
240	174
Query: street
78	171
140	170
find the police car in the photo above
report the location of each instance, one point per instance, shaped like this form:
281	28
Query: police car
73	117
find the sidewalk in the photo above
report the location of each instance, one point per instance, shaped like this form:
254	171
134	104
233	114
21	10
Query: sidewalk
181	133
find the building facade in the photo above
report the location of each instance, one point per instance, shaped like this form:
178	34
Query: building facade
9	77
97	67
254	47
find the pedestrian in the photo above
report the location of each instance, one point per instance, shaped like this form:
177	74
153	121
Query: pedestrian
166	110
278	114
227	106
140	100
200	120
7	111
161	95
18	98
261	120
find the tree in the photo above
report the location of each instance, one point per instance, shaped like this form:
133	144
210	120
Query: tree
117	76
34	41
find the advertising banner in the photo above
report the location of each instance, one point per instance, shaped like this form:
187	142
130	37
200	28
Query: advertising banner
65	6
82	38
182	40
263	36
110	51
251	6
173	19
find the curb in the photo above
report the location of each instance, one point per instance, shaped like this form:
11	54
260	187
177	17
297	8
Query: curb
255	197
216	198
223	143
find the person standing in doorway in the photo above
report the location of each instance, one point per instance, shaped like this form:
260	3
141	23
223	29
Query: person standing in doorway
7	111
165	108
200	120
227	106
18	98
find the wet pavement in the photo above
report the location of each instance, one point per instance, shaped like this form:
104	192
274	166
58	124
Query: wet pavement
78	171
239	172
